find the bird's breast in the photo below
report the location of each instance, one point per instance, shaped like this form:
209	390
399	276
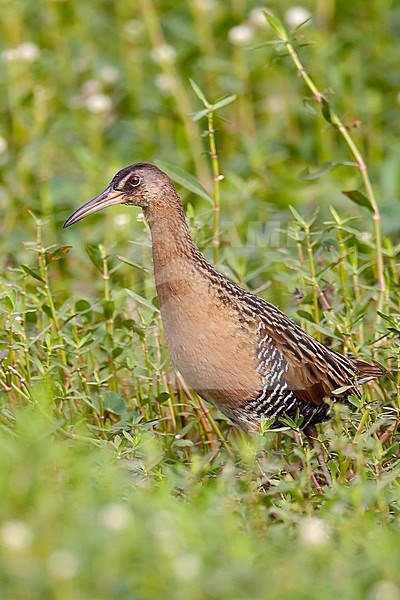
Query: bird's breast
209	346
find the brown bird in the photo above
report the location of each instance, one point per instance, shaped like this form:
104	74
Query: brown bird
236	350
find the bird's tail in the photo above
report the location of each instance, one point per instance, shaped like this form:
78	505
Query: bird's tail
365	371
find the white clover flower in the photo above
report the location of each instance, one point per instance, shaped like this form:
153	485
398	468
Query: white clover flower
16	535
25	52
3	145
314	532
165	82
240	35
365	237
205	5
384	590
257	17
121	219
91	87
133	28
98	103
296	15
115	517
274	104
62	565
187	566
164	54
109	74
10	55
28	52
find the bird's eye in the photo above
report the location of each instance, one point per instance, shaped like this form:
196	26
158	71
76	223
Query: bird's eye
134	181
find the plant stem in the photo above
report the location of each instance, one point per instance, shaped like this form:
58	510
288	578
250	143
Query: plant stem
44	275
216	179
338	124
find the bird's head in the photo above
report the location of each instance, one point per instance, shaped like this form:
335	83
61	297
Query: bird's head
141	184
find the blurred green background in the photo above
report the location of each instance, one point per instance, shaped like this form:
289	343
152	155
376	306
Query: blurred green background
99	85
113	483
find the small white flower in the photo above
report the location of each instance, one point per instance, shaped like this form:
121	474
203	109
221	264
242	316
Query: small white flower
314	532
16	535
91	87
205	5
165	82
115	517
133	28
98	103
365	237
3	145
28	52
274	104
10	55
296	15
25	52
109	74
62	565
240	35
384	590
164	54
121	220
257	17
187	566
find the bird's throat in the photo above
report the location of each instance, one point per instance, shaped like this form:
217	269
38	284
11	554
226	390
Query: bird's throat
174	255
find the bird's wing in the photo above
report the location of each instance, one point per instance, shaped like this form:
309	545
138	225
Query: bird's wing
308	368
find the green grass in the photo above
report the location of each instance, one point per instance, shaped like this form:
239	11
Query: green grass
116	480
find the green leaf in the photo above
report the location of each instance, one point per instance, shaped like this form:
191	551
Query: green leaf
82	305
46	309
306	315
163	397
199	93
327	167
326	111
9	303
276	25
264	44
94	254
32	273
299	26
297	216
185	179
224	101
340	391
133	264
116	352
202	113
393	321
58	254
113	402
108	308
141	300
359	198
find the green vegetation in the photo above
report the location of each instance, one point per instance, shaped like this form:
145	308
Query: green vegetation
116	480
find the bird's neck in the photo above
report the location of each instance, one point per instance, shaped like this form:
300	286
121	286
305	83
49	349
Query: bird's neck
175	254
171	238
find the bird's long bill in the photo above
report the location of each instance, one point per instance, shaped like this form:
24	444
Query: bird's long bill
106	198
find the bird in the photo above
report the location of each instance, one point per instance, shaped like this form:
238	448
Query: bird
233	348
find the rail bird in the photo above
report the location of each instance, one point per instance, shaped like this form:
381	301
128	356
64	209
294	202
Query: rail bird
235	349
